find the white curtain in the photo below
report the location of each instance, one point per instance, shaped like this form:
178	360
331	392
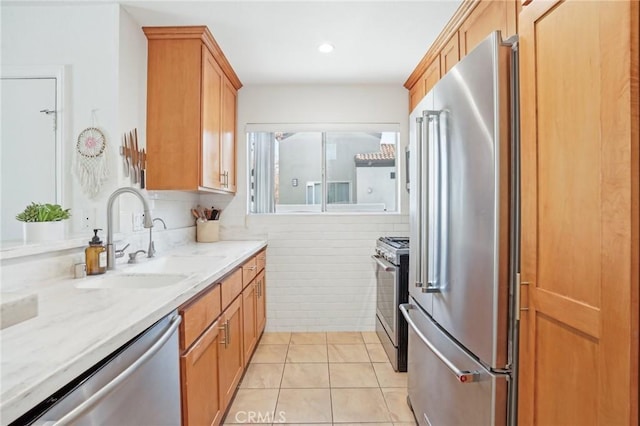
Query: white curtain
264	170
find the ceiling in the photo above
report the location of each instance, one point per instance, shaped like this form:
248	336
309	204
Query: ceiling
275	42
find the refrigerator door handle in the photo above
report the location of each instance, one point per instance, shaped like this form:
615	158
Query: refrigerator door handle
463	376
433	202
419	205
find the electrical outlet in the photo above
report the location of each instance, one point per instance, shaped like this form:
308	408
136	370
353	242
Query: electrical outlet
138	221
84	219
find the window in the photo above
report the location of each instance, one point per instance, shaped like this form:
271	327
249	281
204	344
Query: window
322	171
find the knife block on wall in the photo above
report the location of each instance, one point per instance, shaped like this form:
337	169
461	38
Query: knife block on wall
207	232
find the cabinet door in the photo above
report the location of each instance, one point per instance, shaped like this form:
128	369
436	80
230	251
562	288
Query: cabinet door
261	303
416	94
228	143
173	114
450	54
231	363
579	112
486	17
432	75
212	80
201	402
249	337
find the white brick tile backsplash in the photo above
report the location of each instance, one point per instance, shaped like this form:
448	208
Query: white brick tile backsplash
320	275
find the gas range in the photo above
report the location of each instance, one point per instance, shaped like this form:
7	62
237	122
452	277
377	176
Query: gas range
392	289
391	248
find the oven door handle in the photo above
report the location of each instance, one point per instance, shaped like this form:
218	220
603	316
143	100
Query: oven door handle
386	266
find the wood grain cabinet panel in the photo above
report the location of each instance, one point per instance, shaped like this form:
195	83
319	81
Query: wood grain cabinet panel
201	399
580	219
198	315
416	94
450	54
249	322
212	82
249	270
488	16
191	111
231	287
228	142
261	260
432	75
231	364
261	302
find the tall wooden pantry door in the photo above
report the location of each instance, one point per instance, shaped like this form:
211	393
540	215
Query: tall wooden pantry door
579	114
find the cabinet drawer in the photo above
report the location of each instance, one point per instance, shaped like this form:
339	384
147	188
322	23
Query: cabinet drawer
231	287
198	315
261	260
249	270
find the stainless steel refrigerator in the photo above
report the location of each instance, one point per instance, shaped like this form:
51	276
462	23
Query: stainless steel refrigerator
464	237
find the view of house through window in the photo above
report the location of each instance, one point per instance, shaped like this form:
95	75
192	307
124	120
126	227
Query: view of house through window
322	171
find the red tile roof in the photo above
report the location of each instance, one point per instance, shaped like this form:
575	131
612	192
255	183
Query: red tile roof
387	152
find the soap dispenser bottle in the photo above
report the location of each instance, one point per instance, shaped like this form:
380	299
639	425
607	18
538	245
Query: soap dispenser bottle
96	255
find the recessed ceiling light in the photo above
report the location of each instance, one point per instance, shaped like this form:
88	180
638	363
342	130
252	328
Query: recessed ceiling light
325	48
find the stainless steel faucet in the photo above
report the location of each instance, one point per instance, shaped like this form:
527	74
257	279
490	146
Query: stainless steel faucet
132	256
151	252
148	220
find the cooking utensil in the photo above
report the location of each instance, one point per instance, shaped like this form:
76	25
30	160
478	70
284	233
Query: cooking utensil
200	211
130	155
136	164
125	155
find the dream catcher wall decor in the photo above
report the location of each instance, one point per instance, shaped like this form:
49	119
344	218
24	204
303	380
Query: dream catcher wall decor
91	160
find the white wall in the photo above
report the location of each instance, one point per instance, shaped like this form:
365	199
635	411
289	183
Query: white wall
104	53
319	268
374	185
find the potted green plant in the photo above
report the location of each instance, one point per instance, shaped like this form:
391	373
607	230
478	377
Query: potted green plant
43	222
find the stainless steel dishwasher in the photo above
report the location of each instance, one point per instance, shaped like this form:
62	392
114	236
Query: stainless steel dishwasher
139	384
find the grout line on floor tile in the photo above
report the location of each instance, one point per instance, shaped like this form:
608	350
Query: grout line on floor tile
330	388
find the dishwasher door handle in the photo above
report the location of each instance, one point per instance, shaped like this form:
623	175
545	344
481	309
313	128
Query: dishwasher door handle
120	378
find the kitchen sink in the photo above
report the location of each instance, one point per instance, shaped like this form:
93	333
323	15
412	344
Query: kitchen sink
176	264
16	308
132	281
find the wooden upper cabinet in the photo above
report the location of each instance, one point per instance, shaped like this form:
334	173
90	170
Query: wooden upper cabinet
472	22
212	84
228	143
431	76
488	16
416	94
580	220
450	54
426	82
191	111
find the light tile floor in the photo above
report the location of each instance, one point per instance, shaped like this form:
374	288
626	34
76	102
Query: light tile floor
321	378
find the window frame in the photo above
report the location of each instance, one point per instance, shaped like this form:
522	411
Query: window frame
322	128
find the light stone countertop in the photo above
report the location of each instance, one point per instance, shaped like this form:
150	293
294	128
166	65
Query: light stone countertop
76	328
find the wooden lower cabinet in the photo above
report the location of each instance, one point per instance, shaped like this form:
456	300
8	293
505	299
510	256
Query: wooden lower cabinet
201	402
261	303
231	359
250	335
216	347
